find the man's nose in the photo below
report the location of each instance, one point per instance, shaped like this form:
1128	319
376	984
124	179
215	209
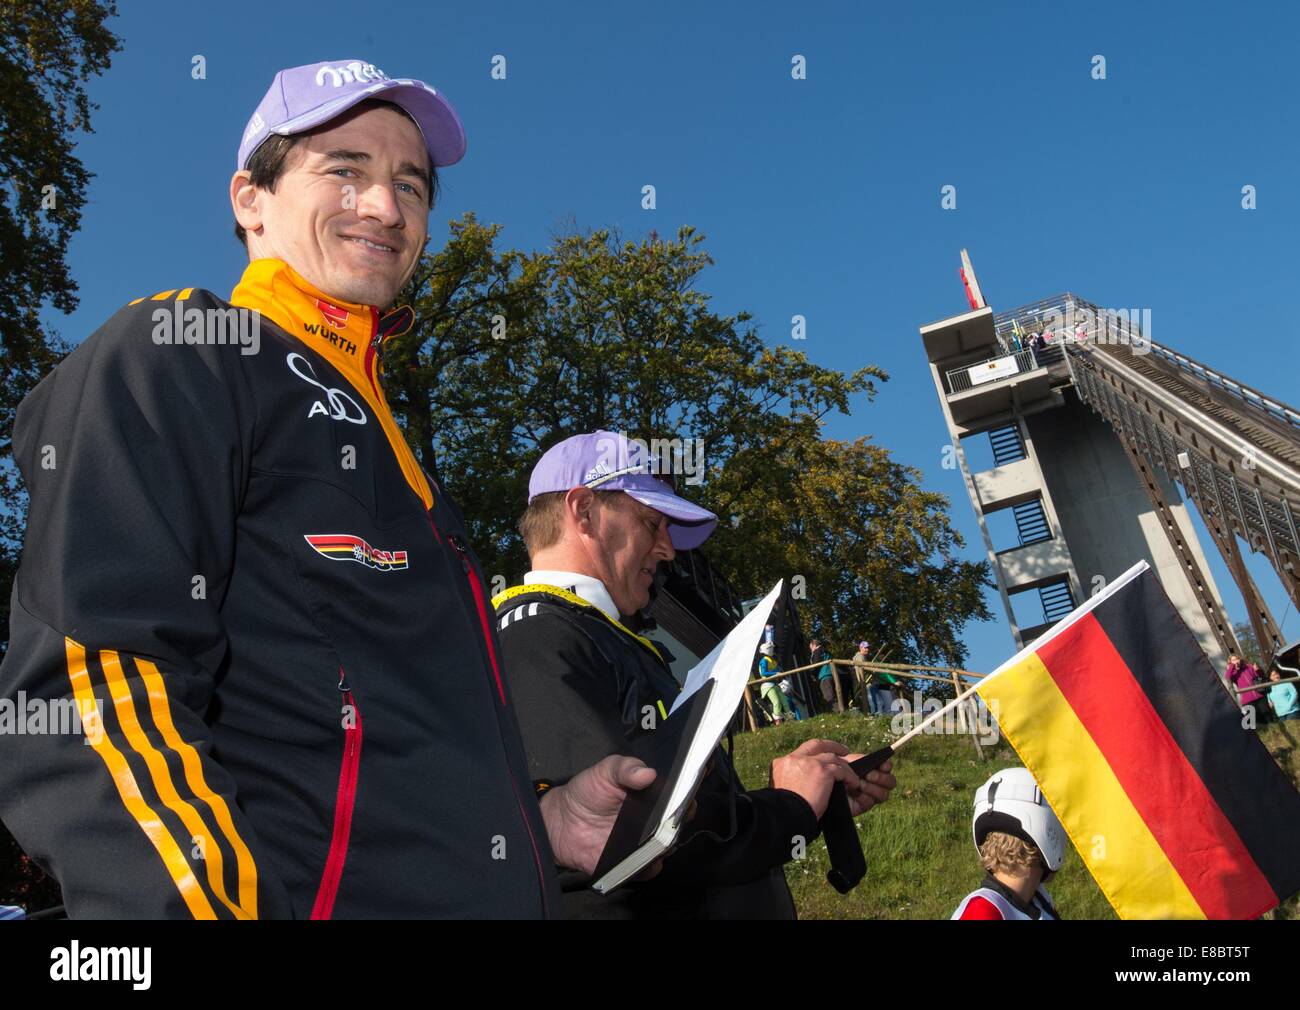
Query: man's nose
664	545
379	203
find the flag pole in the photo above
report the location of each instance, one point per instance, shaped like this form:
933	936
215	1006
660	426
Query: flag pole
932	717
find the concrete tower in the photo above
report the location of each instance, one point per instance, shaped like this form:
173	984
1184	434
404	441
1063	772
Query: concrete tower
1060	505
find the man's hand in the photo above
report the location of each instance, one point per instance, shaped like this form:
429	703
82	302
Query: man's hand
875	787
580	814
816	765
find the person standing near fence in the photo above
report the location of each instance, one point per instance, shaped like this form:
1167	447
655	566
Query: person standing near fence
864	676
1243	676
1282	698
769	689
825	675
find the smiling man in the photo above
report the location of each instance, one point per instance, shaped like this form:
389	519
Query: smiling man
598	524
265	608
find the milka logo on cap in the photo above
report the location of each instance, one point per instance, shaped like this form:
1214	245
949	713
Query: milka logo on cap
255	126
356	71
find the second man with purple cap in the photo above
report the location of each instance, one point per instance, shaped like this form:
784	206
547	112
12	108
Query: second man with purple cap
599	522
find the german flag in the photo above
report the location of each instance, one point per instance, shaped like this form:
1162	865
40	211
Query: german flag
1175	806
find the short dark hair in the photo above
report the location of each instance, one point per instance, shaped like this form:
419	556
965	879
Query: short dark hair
266	166
542	524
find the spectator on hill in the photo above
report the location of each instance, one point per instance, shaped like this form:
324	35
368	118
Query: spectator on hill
889	693
1282	698
772	694
792	697
880	694
863	676
1243	676
825	675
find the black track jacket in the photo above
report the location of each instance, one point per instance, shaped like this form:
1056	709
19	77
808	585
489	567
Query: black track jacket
586	686
296	702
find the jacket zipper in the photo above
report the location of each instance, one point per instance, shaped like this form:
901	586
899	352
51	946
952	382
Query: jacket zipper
343	804
375	357
476	587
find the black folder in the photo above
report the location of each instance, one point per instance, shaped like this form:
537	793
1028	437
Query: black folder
644	829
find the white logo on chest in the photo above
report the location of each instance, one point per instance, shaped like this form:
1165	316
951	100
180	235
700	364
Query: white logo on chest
341	405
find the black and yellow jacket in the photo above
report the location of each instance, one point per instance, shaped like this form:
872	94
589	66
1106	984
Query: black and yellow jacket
296	696
585	687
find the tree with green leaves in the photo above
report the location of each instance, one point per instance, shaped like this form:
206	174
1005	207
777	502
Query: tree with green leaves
1248	643
514	351
48	52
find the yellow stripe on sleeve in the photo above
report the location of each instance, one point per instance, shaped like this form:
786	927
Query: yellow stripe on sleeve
129	790
120	692
193	766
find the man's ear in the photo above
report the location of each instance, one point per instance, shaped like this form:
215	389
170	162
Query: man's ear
578	504
245	201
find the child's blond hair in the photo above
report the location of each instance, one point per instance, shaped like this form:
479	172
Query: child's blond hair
1003	853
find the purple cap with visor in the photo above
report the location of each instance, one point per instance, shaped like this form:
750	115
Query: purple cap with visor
301	98
608	461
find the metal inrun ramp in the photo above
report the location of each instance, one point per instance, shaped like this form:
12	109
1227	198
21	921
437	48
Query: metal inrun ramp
1235	450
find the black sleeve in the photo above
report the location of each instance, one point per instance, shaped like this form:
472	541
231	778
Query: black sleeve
134	455
770	824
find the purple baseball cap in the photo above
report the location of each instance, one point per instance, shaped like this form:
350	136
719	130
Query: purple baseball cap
609	461
301	98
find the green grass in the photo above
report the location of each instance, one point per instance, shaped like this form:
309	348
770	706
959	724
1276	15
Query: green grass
920	858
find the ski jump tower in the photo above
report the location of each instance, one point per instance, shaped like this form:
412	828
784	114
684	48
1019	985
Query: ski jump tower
1063	509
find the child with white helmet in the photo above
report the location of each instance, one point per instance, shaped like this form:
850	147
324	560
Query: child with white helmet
1021	844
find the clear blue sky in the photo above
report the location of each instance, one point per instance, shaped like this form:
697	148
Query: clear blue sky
819	197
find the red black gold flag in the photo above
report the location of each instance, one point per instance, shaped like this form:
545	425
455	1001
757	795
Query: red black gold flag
1177	809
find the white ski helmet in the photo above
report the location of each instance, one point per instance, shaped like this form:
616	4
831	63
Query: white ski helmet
766	649
1011	802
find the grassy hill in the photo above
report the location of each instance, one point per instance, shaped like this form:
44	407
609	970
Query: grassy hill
921	860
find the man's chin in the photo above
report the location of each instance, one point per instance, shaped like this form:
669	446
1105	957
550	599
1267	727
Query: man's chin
363	290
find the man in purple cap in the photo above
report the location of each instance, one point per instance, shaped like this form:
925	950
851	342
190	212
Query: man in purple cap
263	607
599	522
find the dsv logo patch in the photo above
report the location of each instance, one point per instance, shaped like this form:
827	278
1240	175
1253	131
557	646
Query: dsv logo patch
341	406
345	547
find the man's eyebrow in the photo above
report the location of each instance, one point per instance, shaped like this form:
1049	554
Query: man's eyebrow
342	154
410	168
405	168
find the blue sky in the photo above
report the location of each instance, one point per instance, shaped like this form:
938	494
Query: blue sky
818	197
